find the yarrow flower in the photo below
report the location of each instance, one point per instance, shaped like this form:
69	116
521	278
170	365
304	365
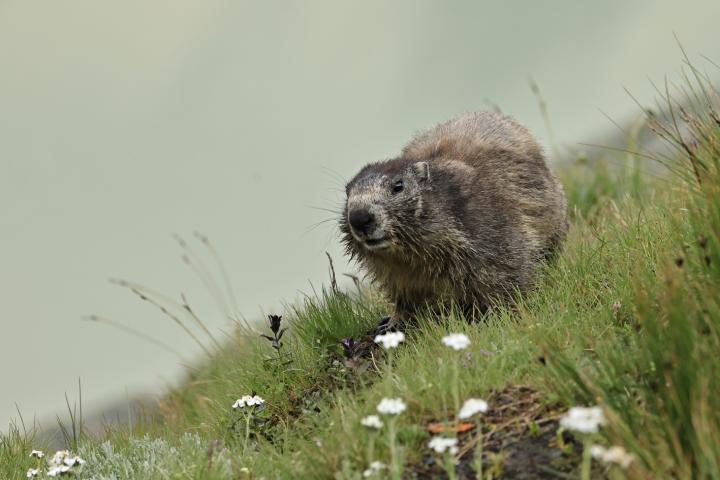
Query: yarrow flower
391	406
59	456
37	454
456	341
471	407
32	473
583	419
62	462
375	467
72	461
248	401
390	339
59	470
64	457
441	444
372	421
615	454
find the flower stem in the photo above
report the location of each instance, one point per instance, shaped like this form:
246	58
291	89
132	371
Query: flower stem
456	393
247	432
389	371
450	465
449	457
586	461
395	470
371	448
477	458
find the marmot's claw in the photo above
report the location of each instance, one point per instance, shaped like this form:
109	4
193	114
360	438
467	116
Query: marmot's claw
384	325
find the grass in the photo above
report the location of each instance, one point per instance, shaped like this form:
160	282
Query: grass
626	318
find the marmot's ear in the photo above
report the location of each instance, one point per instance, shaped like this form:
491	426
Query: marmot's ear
422	170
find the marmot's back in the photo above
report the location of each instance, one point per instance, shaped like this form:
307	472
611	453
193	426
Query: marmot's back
462	136
507	159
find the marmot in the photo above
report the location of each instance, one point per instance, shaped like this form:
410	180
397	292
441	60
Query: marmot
466	214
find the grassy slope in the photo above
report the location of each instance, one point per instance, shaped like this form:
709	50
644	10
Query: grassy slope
650	360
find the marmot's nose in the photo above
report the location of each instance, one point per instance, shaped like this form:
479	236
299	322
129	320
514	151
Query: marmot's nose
361	220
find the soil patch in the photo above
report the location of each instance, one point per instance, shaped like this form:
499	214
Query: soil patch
520	441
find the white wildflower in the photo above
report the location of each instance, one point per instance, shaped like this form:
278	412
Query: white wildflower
456	341
72	461
471	407
441	444
375	467
32	473
62	462
58	458
616	454
248	401
583	419
597	451
37	454
372	421
59	470
390	339
392	406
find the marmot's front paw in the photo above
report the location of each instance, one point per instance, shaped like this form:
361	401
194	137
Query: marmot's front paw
384	325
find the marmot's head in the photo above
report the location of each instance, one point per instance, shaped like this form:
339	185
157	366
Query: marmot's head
384	208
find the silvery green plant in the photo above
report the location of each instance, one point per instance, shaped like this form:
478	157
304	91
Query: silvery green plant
145	456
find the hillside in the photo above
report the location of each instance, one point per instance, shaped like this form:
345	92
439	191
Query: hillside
627	318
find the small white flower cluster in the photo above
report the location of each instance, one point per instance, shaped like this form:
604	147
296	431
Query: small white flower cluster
248	401
471	407
390	339
615	454
62	462
442	444
372	421
375	468
34	472
391	406
583	419
387	406
456	341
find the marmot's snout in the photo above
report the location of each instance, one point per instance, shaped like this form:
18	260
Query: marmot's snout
362	221
368	226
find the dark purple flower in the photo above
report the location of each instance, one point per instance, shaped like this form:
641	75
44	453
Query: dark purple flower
350	347
275	323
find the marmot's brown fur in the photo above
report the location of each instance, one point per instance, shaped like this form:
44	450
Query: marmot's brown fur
466	213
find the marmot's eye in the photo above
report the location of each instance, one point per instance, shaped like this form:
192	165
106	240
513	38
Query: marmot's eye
398	186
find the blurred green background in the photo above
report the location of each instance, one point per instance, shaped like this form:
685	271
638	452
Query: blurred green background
122	123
